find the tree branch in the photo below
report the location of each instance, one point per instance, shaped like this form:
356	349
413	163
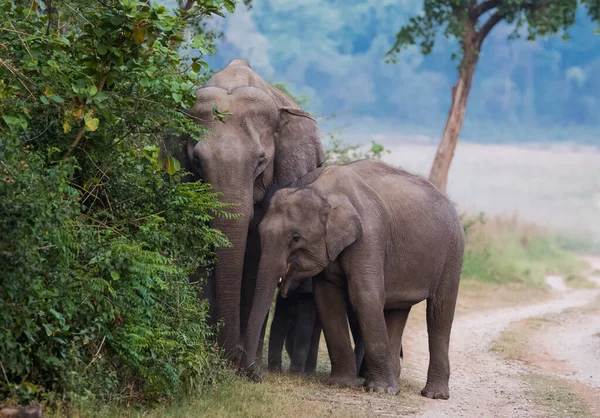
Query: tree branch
188	5
488	26
481	8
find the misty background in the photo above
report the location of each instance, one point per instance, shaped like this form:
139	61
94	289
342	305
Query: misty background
530	144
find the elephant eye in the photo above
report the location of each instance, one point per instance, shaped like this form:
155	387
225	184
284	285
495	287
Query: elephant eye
295	237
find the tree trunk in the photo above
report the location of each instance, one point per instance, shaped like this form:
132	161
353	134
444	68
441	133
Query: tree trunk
460	94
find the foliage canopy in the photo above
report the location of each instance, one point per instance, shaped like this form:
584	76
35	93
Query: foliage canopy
452	18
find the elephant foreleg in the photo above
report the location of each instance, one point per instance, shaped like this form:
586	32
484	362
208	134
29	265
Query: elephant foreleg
368	304
331	304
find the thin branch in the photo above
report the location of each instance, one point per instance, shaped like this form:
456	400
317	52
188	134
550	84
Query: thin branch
20	32
77	12
188	5
488	26
482	8
147	216
97	352
23	42
16	73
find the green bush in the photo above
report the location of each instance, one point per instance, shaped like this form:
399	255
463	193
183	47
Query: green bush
98	234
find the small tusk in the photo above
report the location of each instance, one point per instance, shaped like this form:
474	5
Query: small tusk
280	279
287	268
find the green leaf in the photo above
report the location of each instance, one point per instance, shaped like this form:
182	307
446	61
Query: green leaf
597	31
99	97
56	99
196	67
12	120
91	122
139	34
44	100
102	49
198	41
172	165
93	90
115	275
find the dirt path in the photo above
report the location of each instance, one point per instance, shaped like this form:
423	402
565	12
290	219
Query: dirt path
558	361
483	384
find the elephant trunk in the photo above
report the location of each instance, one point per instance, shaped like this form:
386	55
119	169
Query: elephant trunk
268	274
229	270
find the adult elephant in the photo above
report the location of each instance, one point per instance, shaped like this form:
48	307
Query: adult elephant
264	139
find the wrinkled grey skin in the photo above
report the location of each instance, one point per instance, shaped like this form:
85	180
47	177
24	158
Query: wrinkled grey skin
268	140
296	325
384	237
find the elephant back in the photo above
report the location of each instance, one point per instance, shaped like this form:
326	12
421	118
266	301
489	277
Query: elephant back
238	73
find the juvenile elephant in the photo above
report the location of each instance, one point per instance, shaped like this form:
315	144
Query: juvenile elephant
390	240
296	325
264	140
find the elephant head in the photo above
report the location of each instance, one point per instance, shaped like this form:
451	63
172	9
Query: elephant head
302	232
263	139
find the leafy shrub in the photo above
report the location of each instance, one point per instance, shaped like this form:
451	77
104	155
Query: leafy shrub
98	233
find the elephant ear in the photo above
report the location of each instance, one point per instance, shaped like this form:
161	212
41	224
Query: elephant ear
298	147
343	226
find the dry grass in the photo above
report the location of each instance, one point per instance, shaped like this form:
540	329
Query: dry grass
506	250
475	295
579	281
556	397
512	343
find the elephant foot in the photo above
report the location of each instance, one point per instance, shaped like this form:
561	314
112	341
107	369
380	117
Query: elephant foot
342	381
436	391
380	387
252	373
275	368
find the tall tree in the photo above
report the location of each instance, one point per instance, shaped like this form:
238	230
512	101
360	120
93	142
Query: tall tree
471	21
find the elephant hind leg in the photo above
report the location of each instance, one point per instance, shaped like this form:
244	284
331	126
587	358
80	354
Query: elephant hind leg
359	344
440	314
277	334
305	324
395	321
313	352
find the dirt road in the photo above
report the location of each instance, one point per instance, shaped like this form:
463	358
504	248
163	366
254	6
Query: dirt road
485	384
538	358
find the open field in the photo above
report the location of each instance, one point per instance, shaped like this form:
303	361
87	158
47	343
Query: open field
557	186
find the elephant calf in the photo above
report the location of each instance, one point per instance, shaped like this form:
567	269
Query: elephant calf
295	324
390	240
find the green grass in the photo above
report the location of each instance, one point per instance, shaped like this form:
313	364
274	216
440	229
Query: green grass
506	251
